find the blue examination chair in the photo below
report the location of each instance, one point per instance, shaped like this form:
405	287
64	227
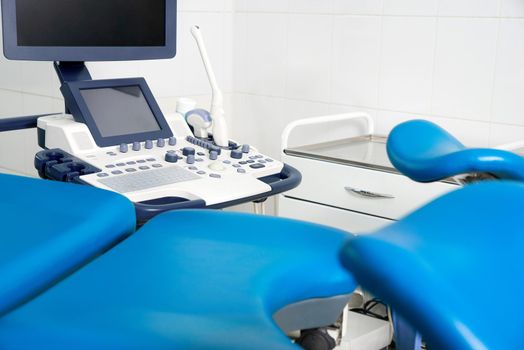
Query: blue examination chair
425	152
212	280
49	230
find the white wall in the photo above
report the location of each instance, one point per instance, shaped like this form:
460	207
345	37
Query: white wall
457	62
32	87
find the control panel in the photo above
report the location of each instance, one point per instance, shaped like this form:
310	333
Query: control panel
177	166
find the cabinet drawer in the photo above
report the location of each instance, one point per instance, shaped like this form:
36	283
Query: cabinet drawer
353	188
338	218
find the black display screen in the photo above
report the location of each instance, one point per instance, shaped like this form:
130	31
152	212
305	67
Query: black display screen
120	111
91	23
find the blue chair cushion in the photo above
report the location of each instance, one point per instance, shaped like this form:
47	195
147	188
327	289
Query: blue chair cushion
425	152
49	229
453	269
187	280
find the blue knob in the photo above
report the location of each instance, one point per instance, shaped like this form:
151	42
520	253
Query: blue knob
149	144
246	148
190	159
188	151
171	157
136	146
213	155
236	154
172	141
124	148
160	143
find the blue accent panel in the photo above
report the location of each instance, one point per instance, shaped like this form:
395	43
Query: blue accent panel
206	285
21	123
76	54
145	211
439	267
81	113
47	233
425	152
41	138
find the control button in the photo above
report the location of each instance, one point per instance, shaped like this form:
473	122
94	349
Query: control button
201	154
252	157
193	168
131	170
236	154
144	167
237	166
190	159
241	171
257	166
242	163
217	166
246	148
121	164
160	143
171	157
201	172
151	159
149	144
216	176
141	161
110	166
215	148
226	162
269	160
213	155
262	161
258	156
250	161
117	172
136	146
172	141
131	163
199	160
102	175
188	151
124	148
156	165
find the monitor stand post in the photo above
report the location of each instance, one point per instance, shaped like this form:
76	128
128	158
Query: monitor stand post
71	71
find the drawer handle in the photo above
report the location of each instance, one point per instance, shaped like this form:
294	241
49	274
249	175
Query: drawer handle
367	194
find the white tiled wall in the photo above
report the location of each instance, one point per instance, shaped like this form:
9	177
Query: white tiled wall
459	63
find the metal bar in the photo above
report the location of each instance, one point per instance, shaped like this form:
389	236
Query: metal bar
21	123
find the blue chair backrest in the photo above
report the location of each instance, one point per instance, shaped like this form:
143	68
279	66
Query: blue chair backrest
425	152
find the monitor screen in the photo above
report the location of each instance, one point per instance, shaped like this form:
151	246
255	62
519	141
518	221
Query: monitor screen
91	23
89	30
119	111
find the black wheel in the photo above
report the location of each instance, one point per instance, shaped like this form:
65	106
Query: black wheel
316	339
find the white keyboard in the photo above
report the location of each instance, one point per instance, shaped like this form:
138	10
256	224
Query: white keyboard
144	180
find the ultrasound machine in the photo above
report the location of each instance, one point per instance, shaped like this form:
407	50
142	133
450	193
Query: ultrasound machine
113	135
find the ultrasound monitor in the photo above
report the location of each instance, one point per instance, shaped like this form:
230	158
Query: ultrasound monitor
89	30
116	111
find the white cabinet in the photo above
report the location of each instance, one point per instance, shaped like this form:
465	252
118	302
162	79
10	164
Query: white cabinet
350	184
325	215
